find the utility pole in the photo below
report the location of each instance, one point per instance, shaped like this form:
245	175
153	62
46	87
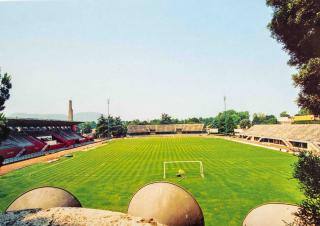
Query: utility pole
225	114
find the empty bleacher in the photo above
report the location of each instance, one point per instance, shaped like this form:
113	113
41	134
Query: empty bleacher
295	135
193	128
16	145
30	138
138	129
165	129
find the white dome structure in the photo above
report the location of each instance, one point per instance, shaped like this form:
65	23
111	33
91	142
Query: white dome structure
168	204
44	198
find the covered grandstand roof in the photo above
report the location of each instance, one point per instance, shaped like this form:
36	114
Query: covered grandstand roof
294	132
138	129
28	122
169	128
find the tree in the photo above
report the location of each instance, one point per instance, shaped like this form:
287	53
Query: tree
238	116
165	119
5	86
304	111
175	121
307	171
224	122
243	115
192	120
258	118
87	127
4	130
111	127
118	128
102	127
227	121
137	122
271	119
207	121
1	160
155	122
245	123
229	125
308	80
284	114
296	24
261	118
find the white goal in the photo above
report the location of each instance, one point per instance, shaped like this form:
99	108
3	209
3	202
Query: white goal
177	162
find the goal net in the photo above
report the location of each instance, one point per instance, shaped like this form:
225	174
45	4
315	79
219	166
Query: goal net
181	168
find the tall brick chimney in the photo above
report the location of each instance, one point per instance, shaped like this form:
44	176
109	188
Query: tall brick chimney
70	111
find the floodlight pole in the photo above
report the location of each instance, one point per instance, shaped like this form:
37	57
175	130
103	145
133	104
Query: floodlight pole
108	115
225	114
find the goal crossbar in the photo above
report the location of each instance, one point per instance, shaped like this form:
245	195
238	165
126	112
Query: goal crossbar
174	162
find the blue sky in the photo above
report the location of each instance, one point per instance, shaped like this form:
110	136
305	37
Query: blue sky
179	57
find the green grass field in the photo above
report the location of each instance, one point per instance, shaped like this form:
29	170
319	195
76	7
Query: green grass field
238	177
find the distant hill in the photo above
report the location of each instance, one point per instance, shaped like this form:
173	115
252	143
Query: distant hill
86	116
38	116
81	116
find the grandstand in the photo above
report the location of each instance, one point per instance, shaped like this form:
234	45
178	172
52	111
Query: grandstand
294	137
29	138
165	129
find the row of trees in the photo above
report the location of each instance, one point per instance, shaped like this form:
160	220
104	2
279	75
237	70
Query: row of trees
241	118
226	122
167	119
261	118
110	127
302	111
229	120
296	24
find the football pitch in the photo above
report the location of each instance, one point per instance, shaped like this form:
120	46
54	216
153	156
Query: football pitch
238	177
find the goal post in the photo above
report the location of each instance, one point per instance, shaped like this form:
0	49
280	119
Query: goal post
175	162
